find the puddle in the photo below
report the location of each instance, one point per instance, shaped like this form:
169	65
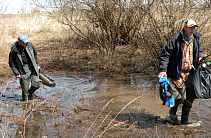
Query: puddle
70	108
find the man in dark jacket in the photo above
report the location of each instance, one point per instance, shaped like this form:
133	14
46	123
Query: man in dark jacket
24	64
178	58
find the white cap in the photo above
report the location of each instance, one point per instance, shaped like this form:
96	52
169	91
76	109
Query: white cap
190	23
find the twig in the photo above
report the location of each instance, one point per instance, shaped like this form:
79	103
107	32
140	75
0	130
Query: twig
30	114
1	131
118	114
97	117
101	123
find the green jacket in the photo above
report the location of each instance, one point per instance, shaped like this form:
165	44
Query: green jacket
15	59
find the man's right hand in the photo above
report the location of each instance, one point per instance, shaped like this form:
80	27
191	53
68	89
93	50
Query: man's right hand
18	76
161	74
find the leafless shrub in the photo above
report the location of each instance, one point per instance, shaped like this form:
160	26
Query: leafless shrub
145	25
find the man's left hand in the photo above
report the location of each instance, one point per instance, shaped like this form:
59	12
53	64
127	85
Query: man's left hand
200	60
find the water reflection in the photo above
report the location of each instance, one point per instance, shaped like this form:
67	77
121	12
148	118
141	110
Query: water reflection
66	95
31	131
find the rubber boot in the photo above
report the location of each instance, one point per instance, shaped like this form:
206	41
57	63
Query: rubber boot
24	97
185	114
184	120
32	96
173	111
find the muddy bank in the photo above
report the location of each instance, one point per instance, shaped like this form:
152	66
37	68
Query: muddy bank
95	106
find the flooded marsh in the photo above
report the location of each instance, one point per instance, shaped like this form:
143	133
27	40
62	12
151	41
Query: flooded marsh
94	106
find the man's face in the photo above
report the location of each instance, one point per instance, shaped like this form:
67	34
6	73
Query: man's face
189	31
21	44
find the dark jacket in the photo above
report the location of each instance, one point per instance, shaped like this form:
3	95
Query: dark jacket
172	54
15	59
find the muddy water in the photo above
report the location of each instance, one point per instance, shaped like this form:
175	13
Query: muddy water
88	105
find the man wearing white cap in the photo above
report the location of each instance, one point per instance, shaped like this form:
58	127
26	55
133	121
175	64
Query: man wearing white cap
178	58
24	63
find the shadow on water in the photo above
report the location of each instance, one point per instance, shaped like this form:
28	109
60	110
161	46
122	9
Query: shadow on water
68	98
141	120
69	109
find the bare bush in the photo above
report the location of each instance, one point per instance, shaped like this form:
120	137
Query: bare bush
106	24
164	19
145	25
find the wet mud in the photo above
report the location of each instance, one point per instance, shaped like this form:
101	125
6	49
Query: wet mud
95	106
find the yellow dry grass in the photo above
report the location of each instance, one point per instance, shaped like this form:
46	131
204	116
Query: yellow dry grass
59	48
37	28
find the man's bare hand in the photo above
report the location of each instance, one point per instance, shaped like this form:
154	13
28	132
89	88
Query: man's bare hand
18	76
161	74
200	60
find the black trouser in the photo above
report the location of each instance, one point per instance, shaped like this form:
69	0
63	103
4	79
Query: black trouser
187	103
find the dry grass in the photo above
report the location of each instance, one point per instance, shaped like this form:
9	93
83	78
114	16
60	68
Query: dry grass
38	28
59	49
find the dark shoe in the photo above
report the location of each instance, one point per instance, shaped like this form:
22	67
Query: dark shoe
172	119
